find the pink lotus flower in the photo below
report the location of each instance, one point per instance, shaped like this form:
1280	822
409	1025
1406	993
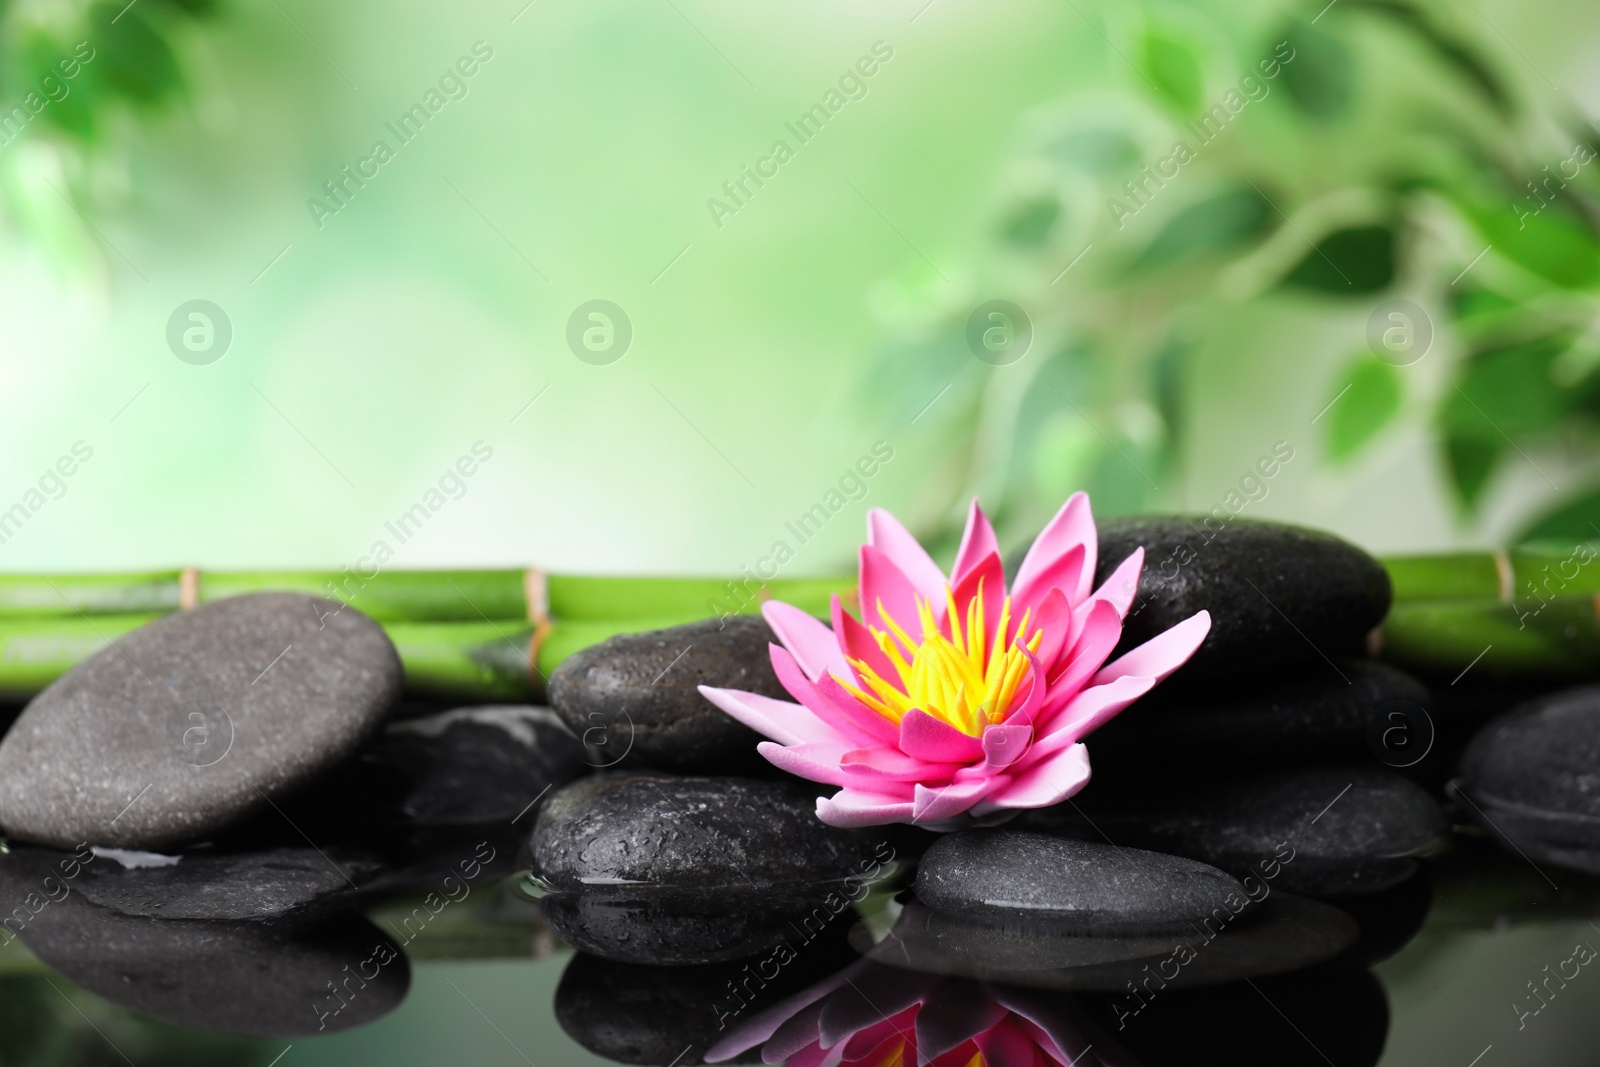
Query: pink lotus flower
951	703
870	1015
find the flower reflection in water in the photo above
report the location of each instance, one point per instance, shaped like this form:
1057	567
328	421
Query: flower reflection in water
873	1015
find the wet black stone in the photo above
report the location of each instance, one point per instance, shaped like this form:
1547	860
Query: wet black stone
1277	594
634	698
1312	1018
273	978
653	829
479	765
1532	777
687	927
1082	885
1191	730
206	885
1283	933
187	725
658	1016
1389	918
1321	831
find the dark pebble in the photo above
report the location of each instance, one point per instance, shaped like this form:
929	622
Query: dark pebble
1191	731
187	725
272	978
634	698
1322	831
479	765
1038	878
1532	777
686	927
651	829
1277	594
206	885
1283	933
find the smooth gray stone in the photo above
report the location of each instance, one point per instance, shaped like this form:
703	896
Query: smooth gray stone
646	828
479	765
634	698
251	885
1277	594
187	725
1015	875
1532	777
1343	830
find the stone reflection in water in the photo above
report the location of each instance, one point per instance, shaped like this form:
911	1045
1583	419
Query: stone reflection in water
303	971
643	1014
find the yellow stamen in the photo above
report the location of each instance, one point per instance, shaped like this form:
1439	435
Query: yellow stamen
968	679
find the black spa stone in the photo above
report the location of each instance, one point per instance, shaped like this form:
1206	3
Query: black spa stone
688	927
479	765
1284	933
1191	730
205	885
275	978
192	722
1533	777
1276	593
1076	885
645	828
634	698
1323	831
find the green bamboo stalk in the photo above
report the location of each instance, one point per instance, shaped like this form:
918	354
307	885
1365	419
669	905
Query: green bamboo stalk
488	660
1527	573
1555	639
416	596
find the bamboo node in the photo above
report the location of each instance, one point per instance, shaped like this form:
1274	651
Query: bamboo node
188	588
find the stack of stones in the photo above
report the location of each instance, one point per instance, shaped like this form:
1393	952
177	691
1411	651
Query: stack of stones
207	802
236	777
1247	783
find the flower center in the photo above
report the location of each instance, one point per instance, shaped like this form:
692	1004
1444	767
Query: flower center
967	679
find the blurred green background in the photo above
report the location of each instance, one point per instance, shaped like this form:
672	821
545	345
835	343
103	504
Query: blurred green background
1235	300
1179	332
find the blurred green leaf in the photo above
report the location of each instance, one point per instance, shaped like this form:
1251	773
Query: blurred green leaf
1222	223
133	56
1470	460
1574	520
1100	151
1554	243
1173	69
1451	51
1349	262
1029	223
1320	79
1510	391
1368	396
